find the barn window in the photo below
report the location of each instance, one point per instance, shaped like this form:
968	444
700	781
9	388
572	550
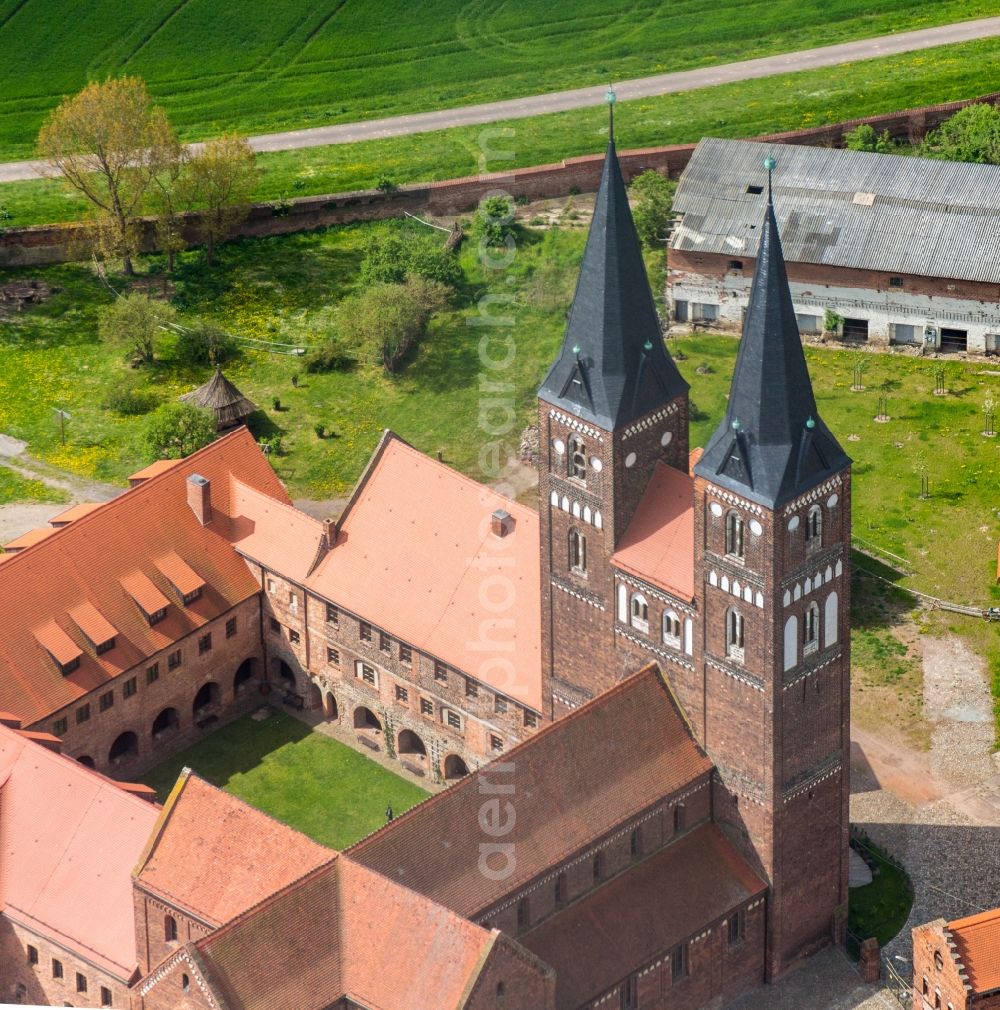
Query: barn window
577	552
577	458
810	629
734	634
734	535
671	629
640	612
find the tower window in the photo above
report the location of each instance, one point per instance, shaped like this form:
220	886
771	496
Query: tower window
734	635
169	928
671	629
577	552
640	612
734	534
810	629
814	526
577	458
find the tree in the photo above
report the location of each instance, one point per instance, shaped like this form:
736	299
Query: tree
223	175
386	320
389	259
134	322
972	134
204	344
654	199
864	138
105	141
169	191
179	429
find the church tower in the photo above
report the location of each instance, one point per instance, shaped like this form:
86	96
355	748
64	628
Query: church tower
772	571
611	406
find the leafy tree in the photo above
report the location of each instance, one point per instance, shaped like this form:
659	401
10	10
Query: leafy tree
134	321
222	178
654	199
493	221
169	194
972	134
386	321
179	429
105	141
389	259
864	138
205	344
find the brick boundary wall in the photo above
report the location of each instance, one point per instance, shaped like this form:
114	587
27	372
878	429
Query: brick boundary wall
58	243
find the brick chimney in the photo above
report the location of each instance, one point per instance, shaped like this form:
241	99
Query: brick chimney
199	492
502	523
330	532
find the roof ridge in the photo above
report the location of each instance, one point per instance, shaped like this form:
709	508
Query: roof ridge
148	482
287	506
161	822
467	781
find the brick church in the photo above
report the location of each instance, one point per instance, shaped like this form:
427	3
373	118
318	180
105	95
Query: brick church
647	734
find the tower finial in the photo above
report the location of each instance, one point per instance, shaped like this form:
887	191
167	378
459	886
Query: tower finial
611	98
770	164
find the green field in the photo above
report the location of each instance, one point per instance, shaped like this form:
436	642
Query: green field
285	288
749	108
315	784
254	66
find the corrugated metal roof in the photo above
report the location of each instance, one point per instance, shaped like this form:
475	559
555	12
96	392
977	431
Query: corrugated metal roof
885	212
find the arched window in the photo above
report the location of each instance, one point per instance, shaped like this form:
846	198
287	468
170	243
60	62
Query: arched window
734	634
814	526
671	629
598	867
830	619
640	612
577	458
169	928
678	818
791	642
577	551
734	534
810	629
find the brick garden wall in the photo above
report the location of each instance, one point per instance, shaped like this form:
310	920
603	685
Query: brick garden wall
61	242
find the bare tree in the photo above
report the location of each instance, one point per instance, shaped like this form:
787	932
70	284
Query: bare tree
103	141
223	176
169	190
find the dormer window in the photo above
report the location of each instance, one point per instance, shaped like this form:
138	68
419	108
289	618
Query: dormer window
73	664
192	596
103	647
577	458
156	617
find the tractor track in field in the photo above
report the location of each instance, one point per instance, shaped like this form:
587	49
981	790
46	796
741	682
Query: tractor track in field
578	98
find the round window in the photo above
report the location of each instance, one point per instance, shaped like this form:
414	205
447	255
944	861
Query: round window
559	445
716	509
793	524
630	459
666	438
596	465
755	528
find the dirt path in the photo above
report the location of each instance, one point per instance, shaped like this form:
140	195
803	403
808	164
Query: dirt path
20	517
579	98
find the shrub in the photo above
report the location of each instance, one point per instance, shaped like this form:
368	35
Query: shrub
493	221
134	322
179	429
385	185
205	344
864	138
972	134
654	200
332	356
129	401
388	260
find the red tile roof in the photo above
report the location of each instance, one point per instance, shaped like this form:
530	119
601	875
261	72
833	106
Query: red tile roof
92	622
216	856
274	533
147	529
415	550
659	543
143	590
597	941
68	840
154	469
75	512
977	943
381	945
574	781
29	539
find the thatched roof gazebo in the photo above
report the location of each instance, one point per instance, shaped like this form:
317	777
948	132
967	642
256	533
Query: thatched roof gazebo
219	395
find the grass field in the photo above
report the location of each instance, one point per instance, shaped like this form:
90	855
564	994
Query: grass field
254	66
310	782
15	488
784	102
881	908
284	288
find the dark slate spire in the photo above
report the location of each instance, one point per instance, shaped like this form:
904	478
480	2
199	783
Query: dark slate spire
613	366
772	445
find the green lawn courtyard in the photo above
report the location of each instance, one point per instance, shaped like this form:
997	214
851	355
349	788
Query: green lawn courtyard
306	780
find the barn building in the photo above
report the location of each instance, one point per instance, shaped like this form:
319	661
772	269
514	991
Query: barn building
643	687
903	250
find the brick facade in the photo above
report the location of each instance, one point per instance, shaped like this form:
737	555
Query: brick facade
142	697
